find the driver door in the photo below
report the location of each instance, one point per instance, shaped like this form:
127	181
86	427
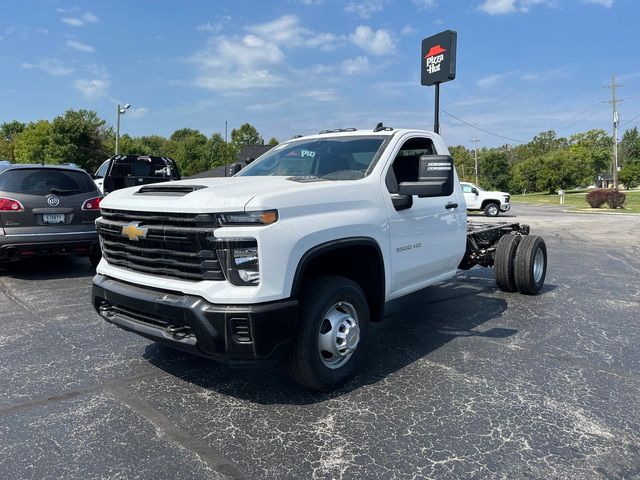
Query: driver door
427	238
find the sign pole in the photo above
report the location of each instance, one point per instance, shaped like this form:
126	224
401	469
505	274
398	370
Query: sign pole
436	112
438	65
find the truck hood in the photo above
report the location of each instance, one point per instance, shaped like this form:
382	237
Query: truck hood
215	194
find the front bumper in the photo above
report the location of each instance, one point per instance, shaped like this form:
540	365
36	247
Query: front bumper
505	207
238	335
14	247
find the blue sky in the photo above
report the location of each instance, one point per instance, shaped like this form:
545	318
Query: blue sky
299	66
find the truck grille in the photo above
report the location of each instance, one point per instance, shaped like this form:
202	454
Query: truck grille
179	245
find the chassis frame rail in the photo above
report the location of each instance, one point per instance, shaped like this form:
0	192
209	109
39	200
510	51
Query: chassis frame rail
482	239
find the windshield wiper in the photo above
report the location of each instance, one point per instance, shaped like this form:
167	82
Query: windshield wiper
61	192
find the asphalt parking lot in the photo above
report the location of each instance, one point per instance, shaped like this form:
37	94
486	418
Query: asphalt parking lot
462	381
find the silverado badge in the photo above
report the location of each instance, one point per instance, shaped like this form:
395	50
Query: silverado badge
134	232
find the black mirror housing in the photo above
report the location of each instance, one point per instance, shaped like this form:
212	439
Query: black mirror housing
435	178
233	169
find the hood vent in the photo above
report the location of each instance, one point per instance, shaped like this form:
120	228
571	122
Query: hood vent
168	190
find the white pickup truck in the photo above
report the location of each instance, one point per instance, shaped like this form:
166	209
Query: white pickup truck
294	256
492	203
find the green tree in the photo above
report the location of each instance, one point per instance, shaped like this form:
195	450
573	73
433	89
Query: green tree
630	174
629	148
79	137
273	141
31	144
463	161
243	136
595	146
494	169
563	169
218	152
8	132
524	176
189	148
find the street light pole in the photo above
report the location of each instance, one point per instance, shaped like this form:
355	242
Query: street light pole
120	111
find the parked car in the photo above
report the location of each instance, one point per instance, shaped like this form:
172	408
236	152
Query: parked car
121	171
48	210
492	203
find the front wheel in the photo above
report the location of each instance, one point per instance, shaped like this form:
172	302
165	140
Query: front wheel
492	210
332	333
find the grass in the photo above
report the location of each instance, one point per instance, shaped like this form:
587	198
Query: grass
574	200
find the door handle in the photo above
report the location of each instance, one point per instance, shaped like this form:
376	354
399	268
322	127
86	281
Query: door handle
451	205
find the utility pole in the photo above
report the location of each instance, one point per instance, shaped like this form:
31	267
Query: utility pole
475	141
615	117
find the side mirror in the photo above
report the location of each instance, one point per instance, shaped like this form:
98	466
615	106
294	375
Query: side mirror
233	169
474	190
435	178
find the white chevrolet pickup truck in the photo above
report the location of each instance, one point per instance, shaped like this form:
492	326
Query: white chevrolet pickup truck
293	258
490	202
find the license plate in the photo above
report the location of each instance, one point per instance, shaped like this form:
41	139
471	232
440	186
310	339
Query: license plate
53	218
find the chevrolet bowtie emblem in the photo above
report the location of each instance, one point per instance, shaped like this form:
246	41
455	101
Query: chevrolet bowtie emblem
134	232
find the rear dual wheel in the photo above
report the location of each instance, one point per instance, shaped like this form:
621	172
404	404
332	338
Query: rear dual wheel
520	263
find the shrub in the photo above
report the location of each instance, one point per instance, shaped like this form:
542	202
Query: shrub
597	198
616	199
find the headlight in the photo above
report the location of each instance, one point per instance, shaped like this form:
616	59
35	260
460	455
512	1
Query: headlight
240	262
263	217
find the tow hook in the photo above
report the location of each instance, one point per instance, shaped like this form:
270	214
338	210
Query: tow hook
178	331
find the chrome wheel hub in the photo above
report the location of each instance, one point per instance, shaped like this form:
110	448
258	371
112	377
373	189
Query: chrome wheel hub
538	265
339	334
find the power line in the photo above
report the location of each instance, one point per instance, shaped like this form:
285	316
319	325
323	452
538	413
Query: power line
630	121
583	117
482	129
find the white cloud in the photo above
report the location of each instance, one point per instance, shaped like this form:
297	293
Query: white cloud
604	3
498	7
82	47
94	87
425	4
288	32
50	66
377	42
80	21
490	81
503	7
407	30
232	64
137	112
365	8
311	2
352	66
321	95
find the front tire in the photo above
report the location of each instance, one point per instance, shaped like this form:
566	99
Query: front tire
332	333
492	209
530	265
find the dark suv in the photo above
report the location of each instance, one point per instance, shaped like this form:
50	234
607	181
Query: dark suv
48	210
122	171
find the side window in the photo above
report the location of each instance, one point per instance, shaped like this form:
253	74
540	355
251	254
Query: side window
466	189
406	164
102	171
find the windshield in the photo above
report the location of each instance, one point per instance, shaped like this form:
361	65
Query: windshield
333	158
43	181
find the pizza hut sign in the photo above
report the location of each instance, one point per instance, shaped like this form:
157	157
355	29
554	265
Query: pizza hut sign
438	62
